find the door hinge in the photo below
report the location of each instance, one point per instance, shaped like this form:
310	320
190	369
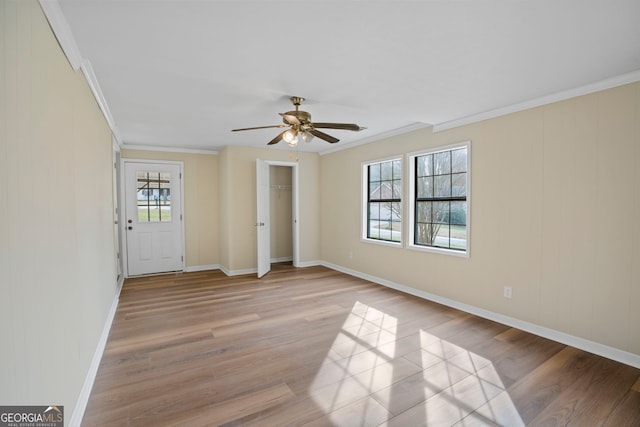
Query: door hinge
182	258
180	217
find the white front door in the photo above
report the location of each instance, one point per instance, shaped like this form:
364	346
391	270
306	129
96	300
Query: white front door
262	220
153	217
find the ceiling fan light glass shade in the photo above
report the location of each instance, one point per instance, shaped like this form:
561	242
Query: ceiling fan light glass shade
307	137
291	137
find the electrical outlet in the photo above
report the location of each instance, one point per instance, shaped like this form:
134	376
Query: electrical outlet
350	254
507	291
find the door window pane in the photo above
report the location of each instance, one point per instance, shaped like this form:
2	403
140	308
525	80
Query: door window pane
153	196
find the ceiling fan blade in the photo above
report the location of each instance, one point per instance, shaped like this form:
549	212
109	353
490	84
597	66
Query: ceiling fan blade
290	118
322	135
259	127
344	126
277	138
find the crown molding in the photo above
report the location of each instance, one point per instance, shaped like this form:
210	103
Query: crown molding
544	100
62	31
377	137
126	146
92	81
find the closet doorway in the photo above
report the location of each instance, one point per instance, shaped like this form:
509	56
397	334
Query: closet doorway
277	213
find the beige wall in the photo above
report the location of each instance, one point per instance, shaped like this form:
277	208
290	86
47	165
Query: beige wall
57	273
281	212
555	203
200	203
238	203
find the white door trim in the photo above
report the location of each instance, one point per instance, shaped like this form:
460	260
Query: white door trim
123	161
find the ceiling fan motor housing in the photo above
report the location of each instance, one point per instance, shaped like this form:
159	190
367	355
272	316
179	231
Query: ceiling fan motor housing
302	116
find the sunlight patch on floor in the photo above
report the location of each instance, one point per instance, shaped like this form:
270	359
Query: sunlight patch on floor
460	388
371	376
359	362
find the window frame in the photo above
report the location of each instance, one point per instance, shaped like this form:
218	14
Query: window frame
411	208
365	202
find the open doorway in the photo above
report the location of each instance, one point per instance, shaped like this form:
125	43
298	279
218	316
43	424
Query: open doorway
281	215
277	213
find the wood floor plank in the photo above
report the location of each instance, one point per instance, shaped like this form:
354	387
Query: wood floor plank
313	346
232	409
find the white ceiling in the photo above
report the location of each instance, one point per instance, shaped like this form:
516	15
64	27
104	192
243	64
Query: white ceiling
183	73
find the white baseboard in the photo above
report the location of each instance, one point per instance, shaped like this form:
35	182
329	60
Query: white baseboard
612	353
228	272
89	379
202	268
310	263
282	259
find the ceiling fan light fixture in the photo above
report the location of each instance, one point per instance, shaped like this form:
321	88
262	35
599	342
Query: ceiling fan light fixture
291	137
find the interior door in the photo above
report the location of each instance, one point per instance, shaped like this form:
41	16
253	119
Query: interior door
153	217
262	221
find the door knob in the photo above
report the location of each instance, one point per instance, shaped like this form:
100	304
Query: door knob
130	228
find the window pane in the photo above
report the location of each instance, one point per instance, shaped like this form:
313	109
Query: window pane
397	189
374	210
374	229
424	234
425	187
385	211
459	160
458	213
423	211
395	211
424	165
386	171
386	190
153	196
397	169
442	163
385	230
458	237
442	186
383	204
374	172
441	235
459	184
396	231
440	219
441	212
374	190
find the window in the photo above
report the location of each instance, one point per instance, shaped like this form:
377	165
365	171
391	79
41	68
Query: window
154	196
439	193
382	210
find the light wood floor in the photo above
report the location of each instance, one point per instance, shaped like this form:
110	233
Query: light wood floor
317	347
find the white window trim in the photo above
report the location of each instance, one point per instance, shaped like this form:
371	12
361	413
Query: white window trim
364	204
411	204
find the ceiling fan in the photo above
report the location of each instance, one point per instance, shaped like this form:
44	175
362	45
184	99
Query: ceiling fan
300	126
